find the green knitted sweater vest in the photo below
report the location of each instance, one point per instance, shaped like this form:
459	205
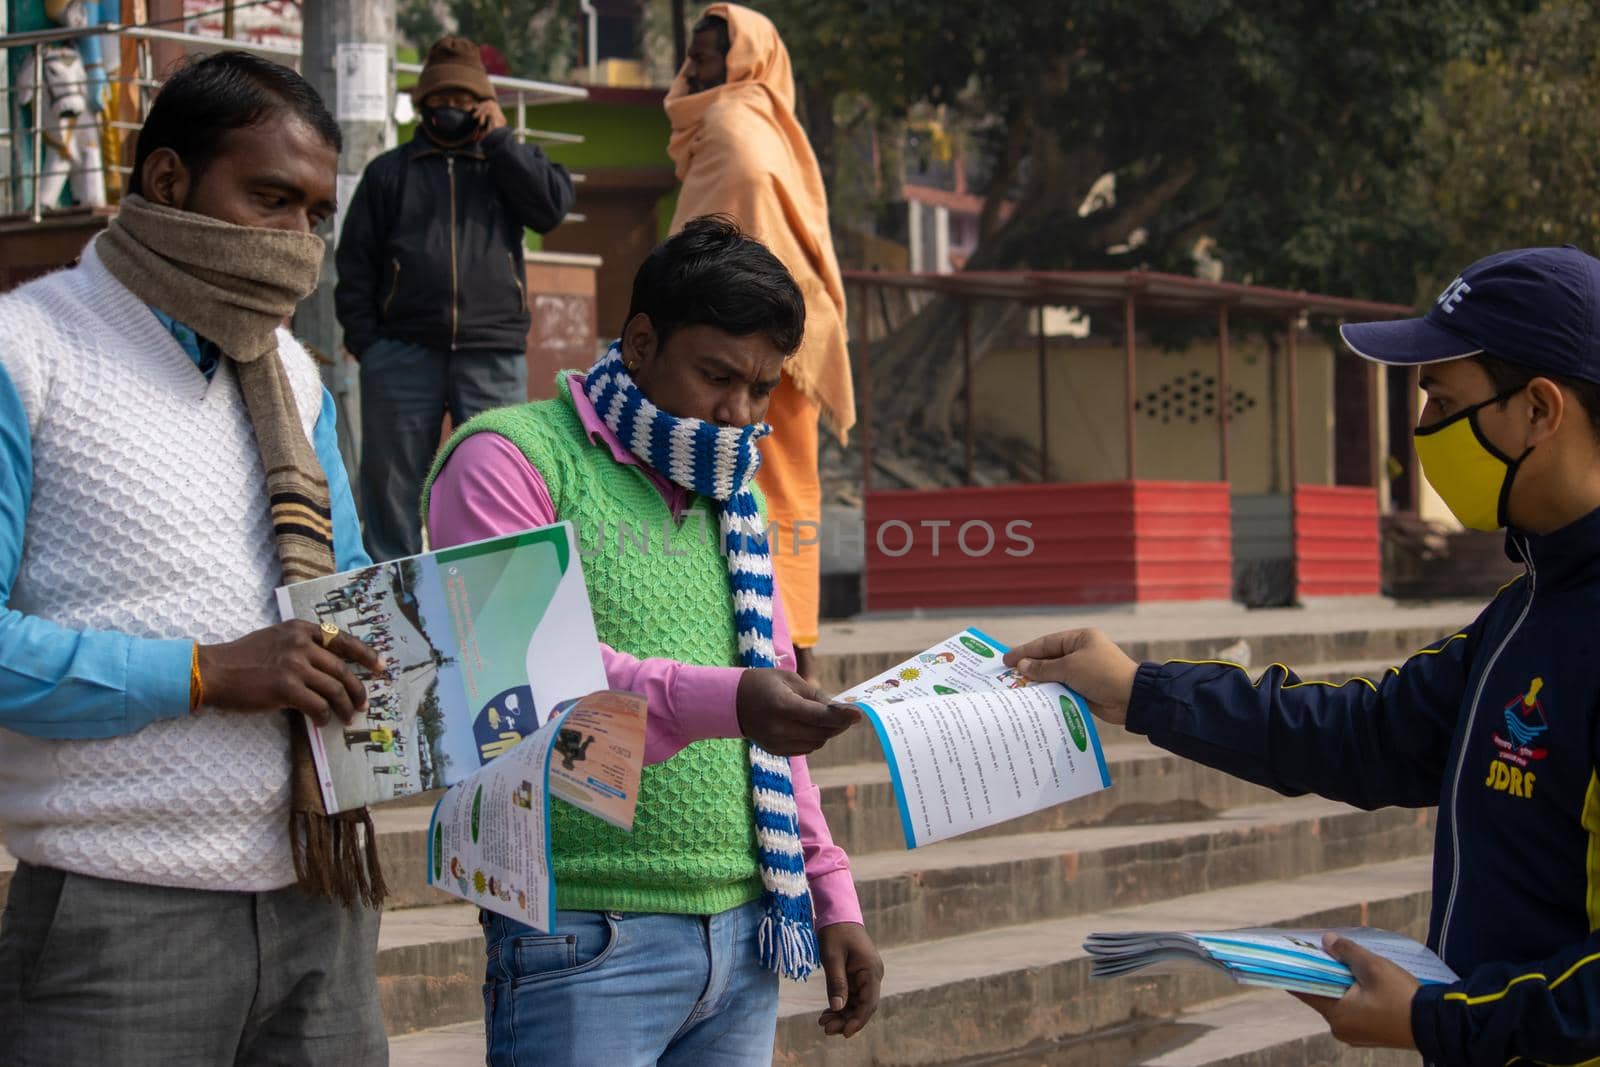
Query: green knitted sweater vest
693	846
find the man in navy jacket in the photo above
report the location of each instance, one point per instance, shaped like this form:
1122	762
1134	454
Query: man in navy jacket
1496	723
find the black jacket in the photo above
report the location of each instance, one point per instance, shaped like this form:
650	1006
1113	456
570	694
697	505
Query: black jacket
431	251
1499	725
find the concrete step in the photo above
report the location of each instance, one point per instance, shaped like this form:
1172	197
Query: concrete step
432	955
1001	991
1259	1029
984	996
972	884
403	851
1264	1029
854	650
1255	1029
430	967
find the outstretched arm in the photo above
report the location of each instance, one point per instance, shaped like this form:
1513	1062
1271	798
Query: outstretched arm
1366	742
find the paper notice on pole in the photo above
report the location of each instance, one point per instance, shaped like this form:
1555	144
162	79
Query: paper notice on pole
971	743
344	192
362	75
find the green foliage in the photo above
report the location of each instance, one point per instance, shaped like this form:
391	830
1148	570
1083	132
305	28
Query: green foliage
430	717
1288	130
1513	142
419	22
537	37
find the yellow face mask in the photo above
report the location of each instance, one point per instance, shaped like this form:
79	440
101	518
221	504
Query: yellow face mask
1471	476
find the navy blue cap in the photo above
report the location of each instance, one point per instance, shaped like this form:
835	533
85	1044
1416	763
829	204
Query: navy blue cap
1536	307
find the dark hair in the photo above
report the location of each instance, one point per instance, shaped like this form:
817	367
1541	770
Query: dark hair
211	95
711	274
1507	376
720	25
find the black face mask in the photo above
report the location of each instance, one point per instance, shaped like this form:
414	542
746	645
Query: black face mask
450	124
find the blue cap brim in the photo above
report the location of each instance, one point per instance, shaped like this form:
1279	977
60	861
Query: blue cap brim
1405	342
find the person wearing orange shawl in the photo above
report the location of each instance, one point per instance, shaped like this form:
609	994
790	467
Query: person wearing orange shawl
740	151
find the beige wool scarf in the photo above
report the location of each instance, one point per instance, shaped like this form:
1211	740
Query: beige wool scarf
234	286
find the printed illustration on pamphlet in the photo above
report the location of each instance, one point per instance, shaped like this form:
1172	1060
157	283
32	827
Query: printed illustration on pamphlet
489	841
480	641
971	742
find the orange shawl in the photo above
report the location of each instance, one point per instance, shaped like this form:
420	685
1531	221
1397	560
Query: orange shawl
739	150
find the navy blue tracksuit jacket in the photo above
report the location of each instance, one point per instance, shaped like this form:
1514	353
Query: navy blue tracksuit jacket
1496	725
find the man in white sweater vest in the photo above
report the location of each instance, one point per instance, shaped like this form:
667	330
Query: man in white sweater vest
144	750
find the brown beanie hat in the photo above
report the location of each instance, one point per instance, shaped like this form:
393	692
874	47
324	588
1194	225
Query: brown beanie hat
453	63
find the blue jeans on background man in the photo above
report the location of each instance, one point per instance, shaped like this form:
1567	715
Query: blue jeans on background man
406	391
629	990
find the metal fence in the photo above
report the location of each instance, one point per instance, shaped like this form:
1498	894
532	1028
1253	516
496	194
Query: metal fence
27	132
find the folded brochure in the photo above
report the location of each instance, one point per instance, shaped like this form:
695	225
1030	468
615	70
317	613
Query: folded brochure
481	641
970	742
1277	959
489	838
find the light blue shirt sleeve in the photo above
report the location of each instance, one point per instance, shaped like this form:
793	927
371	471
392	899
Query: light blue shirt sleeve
348	552
62	683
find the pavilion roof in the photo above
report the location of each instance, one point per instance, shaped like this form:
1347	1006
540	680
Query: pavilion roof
1151	290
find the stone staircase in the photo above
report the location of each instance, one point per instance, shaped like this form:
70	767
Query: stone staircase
981	935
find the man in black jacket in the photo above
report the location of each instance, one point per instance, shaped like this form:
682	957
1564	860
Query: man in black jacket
431	293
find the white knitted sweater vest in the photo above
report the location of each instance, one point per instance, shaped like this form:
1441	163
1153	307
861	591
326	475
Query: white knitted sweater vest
149	516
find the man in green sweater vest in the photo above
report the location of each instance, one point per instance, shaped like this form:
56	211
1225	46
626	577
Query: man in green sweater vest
670	939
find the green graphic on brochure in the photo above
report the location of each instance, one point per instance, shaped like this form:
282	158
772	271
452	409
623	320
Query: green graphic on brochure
501	591
1080	736
481	642
977	646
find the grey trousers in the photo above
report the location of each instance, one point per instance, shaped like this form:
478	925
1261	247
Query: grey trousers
102	972
406	391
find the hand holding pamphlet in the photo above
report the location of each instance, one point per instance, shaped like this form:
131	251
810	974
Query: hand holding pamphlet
971	742
482	641
1292	960
495	688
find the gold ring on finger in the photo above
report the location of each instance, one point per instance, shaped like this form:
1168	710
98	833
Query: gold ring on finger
329	632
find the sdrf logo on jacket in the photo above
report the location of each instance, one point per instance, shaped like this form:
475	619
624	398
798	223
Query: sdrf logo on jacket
1516	742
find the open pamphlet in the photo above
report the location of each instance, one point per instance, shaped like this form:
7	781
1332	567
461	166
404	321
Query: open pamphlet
971	742
482	641
1277	959
489	840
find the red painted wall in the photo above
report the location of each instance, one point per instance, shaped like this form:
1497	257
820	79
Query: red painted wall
1336	540
1102	543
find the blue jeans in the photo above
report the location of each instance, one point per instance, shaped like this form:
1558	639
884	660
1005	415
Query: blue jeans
406	391
628	990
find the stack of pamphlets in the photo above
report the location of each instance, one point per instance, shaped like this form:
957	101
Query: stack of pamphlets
1278	959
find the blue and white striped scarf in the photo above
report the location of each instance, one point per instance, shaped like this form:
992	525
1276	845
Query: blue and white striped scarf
720	463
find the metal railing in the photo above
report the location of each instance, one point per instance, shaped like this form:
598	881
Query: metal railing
32	173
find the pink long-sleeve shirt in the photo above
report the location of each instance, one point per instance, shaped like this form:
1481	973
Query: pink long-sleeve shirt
488	488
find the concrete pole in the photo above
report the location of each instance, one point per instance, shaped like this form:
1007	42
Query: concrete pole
349	42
